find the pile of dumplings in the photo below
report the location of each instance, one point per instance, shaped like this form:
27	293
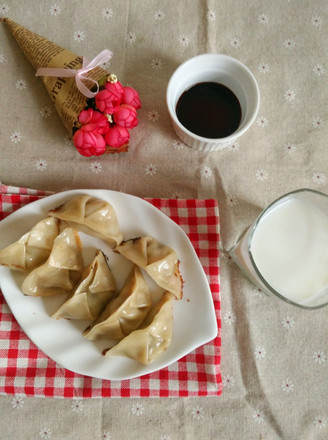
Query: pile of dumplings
51	255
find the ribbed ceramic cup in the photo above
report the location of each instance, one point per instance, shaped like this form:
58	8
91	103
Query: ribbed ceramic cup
222	69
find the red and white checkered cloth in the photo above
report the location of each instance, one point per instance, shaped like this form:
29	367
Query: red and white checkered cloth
26	370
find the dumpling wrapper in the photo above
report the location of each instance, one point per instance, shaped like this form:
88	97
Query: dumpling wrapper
158	260
124	313
147	343
61	271
92	216
33	248
96	288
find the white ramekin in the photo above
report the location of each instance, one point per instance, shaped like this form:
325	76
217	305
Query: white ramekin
214	68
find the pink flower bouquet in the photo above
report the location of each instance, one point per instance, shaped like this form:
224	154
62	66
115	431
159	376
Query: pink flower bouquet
103	127
95	108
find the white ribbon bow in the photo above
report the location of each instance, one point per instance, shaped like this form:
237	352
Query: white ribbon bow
79	74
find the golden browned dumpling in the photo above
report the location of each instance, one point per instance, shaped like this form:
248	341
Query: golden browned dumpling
33	248
159	261
92	216
96	287
124	313
147	343
61	271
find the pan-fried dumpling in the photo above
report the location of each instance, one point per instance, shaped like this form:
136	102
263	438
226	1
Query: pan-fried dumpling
97	286
33	248
159	261
147	343
61	271
124	313
92	216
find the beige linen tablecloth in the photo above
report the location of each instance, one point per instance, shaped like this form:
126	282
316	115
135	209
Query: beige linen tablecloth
274	356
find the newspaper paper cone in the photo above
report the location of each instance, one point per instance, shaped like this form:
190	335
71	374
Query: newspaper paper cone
67	98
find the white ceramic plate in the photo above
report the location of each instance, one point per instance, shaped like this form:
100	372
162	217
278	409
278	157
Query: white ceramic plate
62	340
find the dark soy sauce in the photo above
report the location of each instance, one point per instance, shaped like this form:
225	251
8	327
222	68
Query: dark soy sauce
209	109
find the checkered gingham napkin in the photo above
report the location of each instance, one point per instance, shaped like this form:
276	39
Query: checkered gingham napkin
26	370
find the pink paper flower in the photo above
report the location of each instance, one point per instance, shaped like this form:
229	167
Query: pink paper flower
115	88
126	116
108	101
117	136
131	97
93	121
88	143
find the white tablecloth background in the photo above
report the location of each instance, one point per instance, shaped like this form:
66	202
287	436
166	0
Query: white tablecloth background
274	356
